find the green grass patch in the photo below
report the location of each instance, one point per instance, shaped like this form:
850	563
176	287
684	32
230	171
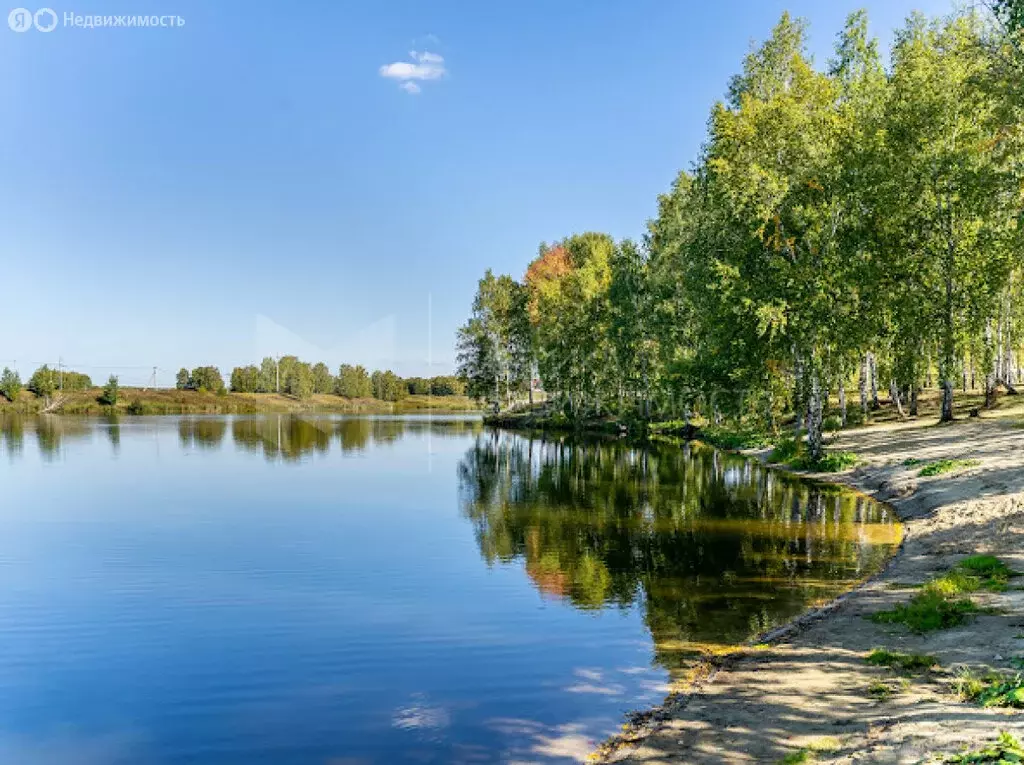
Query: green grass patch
786	450
810	752
986	566
1006	750
798	757
831	462
881	691
991	689
940	467
911	461
832	423
939	604
927	611
735	438
793	453
976	572
908	662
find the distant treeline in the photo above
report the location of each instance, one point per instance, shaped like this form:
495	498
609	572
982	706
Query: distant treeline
44	382
287	375
302	379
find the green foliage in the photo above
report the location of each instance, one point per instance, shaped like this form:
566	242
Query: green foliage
829	462
247	380
43	381
670	427
936	606
734	438
136	407
832	423
798	757
494	347
353	382
417	386
788	450
832	215
940	467
387	386
881	690
110	392
46	381
183	380
991	689
10	384
908	662
205	379
810	752
323	381
986	566
793	452
447	385
1005	751
976	572
298	381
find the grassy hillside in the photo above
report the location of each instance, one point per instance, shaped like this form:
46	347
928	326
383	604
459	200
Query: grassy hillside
165	401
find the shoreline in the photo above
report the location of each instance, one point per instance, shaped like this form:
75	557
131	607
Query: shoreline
169	401
781	699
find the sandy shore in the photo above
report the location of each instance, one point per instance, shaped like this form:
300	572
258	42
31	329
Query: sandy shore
809	687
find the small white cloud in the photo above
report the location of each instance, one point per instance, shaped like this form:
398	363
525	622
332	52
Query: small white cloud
424	66
426	57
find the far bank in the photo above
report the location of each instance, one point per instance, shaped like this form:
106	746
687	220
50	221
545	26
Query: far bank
155	401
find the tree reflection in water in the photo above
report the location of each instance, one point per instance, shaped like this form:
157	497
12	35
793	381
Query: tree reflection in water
713	547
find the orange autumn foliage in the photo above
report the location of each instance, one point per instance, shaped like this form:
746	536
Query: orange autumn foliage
550	266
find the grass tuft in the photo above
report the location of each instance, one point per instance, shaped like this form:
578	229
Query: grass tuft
880	690
991	689
986	565
810	752
927	611
908	662
939	606
940	467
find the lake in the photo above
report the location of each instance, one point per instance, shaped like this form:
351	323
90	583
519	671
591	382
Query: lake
350	590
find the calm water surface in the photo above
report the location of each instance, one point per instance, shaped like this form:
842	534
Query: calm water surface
343	590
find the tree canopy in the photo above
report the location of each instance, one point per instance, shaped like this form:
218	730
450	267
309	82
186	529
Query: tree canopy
841	224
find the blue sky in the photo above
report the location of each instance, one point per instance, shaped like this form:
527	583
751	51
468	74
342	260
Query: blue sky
251	183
